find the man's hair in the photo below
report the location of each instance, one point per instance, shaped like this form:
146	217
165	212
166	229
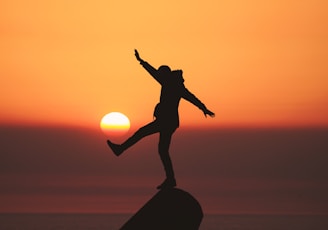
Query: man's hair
164	69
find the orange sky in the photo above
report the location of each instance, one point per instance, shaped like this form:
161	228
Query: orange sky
252	62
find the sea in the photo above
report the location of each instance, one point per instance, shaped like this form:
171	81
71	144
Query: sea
115	221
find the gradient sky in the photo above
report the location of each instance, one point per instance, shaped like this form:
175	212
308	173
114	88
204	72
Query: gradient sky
252	62
65	64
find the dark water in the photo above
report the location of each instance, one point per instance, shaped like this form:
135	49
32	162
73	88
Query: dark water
61	221
265	222
210	222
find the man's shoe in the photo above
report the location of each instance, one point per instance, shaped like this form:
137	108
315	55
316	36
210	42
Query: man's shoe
117	149
167	184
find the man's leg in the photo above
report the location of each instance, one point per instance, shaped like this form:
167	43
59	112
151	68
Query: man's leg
163	149
146	130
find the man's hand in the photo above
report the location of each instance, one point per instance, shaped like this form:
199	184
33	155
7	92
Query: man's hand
137	56
208	112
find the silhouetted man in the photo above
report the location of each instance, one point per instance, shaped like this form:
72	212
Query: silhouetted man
166	114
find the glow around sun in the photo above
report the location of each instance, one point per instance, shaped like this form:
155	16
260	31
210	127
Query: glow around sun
115	124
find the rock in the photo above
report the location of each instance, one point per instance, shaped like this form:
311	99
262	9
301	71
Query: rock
169	209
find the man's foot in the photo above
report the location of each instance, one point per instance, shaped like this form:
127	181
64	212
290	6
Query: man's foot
167	184
117	149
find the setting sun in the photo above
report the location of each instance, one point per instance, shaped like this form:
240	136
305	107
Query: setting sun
115	124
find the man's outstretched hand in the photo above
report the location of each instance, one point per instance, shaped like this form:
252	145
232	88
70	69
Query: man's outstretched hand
137	55
208	112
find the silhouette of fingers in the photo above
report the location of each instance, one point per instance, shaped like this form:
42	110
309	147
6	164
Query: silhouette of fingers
137	54
210	113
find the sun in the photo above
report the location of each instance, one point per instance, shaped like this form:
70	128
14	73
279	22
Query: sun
115	124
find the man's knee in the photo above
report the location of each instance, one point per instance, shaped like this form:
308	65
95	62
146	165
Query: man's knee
141	131
163	150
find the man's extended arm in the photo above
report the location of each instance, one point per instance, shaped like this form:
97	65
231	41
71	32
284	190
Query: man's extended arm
194	100
151	70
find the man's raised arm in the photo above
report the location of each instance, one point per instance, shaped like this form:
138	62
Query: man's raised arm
151	70
195	101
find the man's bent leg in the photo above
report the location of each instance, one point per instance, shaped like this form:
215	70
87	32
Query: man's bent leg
146	130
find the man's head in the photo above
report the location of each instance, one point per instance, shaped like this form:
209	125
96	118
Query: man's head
164	70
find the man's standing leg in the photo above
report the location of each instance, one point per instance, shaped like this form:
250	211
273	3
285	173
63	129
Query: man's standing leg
163	149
